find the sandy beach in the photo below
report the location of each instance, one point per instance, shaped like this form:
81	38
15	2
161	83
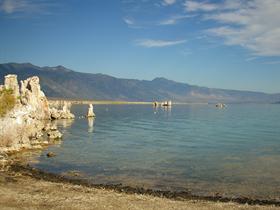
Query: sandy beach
21	189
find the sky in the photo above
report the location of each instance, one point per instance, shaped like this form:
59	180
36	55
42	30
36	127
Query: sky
231	44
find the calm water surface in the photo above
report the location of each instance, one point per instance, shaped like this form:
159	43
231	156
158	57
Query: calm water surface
233	151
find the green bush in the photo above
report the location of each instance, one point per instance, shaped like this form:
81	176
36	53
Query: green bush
7	101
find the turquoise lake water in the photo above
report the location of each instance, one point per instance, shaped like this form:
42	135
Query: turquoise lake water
233	151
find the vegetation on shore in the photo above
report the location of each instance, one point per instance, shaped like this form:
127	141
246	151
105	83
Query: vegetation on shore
7	101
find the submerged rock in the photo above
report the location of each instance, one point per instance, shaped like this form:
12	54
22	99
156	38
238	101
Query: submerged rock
50	154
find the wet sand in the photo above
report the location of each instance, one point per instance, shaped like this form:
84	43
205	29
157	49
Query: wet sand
22	187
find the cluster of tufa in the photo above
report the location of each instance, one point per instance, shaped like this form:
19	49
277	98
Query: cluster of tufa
25	125
63	113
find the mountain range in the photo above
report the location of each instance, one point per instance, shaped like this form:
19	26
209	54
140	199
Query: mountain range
60	82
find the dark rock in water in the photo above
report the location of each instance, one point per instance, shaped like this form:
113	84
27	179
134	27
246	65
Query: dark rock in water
50	154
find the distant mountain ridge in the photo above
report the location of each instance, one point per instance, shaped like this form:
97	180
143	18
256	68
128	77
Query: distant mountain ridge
61	82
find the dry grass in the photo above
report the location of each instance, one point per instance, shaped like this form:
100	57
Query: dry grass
7	101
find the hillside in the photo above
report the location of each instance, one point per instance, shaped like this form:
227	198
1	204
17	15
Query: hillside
65	83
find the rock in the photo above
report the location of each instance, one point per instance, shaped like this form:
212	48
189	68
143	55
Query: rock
54	134
53	128
66	114
47	127
73	174
220	105
90	111
18	129
50	154
11	82
3	156
66	106
156	104
52	131
32	96
23	126
62	114
166	103
55	114
37	147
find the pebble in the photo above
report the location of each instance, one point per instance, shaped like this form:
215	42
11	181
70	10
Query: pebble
50	154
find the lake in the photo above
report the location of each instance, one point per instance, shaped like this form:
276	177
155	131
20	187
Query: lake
231	152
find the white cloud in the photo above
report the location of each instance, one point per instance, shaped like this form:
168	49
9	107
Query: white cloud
251	59
169	2
11	6
158	43
175	19
23	6
192	6
128	21
252	24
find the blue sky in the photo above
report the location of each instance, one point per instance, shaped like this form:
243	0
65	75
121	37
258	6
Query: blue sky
233	44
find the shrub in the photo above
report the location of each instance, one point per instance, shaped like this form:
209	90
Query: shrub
7	101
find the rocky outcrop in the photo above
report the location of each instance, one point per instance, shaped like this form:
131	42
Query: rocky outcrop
220	105
90	111
27	125
11	82
52	131
20	130
63	113
31	95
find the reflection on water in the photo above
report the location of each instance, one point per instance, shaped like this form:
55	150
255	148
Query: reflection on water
65	123
165	109
90	124
234	151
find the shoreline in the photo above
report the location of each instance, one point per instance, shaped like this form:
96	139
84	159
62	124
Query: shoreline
37	174
109	102
19	191
97	102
